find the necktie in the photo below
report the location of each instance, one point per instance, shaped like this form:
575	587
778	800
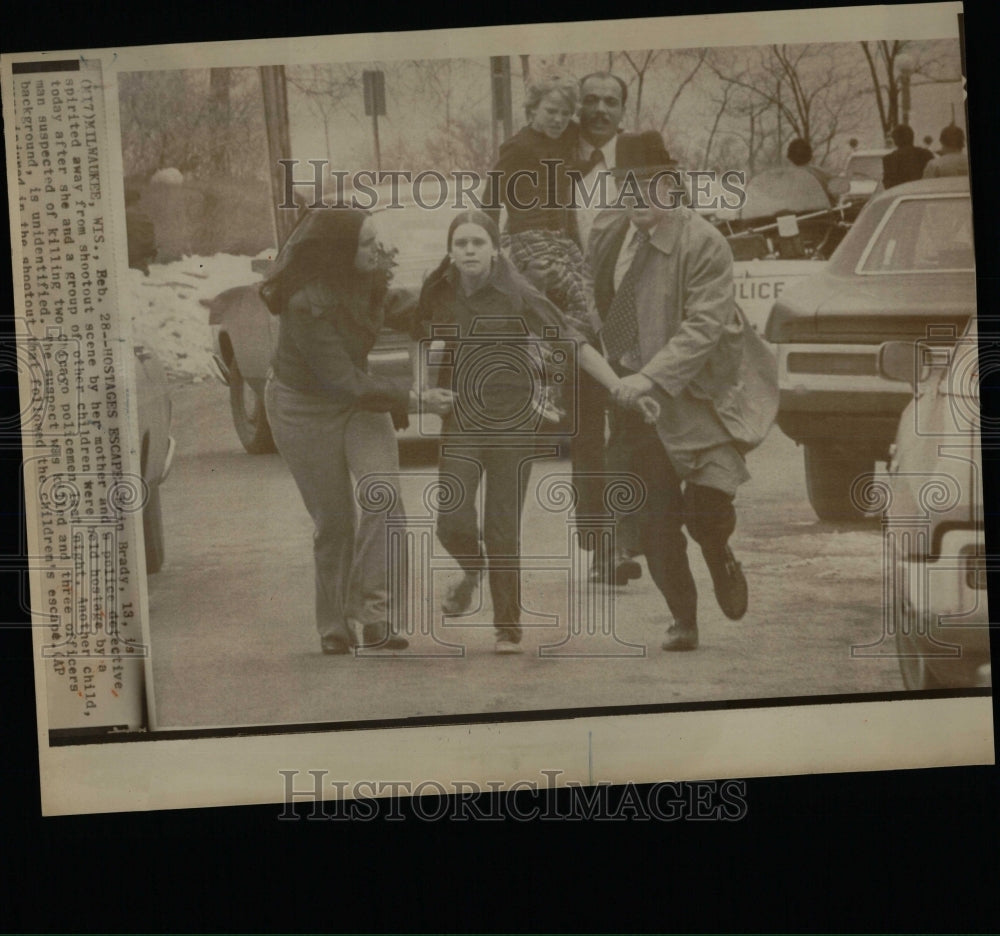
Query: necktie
621	328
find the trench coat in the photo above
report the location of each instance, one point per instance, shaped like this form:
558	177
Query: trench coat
694	341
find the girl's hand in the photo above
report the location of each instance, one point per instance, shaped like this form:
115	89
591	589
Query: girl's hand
631	388
437	401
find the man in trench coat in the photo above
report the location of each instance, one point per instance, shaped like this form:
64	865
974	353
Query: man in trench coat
663	283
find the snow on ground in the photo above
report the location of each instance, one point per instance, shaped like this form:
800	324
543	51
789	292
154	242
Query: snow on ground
169	319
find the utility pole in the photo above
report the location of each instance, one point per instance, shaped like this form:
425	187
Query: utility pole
503	113
279	146
374	86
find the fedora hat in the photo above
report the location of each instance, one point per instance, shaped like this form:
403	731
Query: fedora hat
642	154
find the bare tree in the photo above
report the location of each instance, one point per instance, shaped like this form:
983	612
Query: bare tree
721	107
932	63
324	89
452	100
699	56
199	121
219	82
640	63
808	88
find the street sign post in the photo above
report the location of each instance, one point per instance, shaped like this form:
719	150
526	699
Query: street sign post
374	88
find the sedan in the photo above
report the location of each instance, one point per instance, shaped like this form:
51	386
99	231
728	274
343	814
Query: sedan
905	271
935	548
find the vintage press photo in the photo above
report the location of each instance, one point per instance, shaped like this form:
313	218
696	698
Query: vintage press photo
465	481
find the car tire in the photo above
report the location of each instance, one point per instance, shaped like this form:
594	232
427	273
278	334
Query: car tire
152	531
829	477
249	416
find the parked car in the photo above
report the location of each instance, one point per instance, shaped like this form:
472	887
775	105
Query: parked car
245	333
905	270
934	517
156	448
860	179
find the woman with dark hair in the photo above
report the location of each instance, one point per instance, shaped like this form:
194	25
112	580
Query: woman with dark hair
331	420
492	313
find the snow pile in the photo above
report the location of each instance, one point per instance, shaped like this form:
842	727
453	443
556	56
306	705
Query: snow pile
167	177
167	316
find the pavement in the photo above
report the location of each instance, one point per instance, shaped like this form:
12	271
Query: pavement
234	643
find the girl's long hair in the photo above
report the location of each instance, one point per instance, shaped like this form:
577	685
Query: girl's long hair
469	216
322	248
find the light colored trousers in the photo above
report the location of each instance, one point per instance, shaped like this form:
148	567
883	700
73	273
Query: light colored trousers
329	450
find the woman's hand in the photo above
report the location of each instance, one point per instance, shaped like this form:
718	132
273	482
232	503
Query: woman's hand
436	400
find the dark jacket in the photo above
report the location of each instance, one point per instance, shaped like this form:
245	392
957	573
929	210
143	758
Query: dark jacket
526	150
323	348
904	164
494	353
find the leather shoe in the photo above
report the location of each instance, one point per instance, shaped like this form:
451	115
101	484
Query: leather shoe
625	569
458	598
333	644
681	637
375	637
729	581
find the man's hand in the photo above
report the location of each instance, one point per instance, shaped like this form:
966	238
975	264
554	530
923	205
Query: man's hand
630	388
649	408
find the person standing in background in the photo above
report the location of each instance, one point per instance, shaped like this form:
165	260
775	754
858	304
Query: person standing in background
951	161
602	106
800	154
906	162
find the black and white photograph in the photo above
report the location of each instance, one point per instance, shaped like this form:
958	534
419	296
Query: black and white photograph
496	396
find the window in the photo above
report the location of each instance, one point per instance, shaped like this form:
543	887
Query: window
922	235
864	167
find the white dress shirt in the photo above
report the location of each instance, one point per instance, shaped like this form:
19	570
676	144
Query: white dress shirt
626	255
585	216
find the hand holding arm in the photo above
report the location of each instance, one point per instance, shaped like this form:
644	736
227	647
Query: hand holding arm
433	400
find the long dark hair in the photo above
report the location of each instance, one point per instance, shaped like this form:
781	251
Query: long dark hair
474	216
321	248
469	216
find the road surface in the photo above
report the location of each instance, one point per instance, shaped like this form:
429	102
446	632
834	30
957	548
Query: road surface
233	637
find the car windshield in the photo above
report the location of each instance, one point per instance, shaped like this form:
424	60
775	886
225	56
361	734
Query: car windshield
922	235
420	236
864	167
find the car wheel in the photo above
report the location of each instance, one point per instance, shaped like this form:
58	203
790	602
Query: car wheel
829	477
152	531
249	416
